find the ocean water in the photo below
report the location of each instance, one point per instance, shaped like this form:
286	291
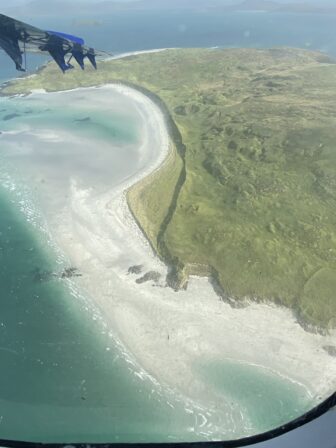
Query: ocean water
63	376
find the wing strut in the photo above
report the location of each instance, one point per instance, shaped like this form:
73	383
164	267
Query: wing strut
92	57
11	46
57	52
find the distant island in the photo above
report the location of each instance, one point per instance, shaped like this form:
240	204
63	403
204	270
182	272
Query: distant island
247	195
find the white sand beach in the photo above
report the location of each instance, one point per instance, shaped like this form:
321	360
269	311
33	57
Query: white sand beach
169	333
135	53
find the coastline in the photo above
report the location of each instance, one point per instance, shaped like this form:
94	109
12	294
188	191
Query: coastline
181	248
135	53
100	236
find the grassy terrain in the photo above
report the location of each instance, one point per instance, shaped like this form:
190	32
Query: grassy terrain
249	193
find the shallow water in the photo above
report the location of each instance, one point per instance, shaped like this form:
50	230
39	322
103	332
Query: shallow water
267	399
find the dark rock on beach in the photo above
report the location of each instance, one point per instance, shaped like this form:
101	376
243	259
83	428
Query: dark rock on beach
149	276
137	269
41	276
70	272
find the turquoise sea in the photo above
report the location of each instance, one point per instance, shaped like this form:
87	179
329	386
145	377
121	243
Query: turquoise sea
268	399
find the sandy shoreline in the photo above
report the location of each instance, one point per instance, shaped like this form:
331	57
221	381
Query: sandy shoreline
171	333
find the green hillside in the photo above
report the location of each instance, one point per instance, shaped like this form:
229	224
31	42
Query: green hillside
248	194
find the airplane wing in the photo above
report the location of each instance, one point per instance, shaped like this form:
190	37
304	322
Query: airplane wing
17	38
